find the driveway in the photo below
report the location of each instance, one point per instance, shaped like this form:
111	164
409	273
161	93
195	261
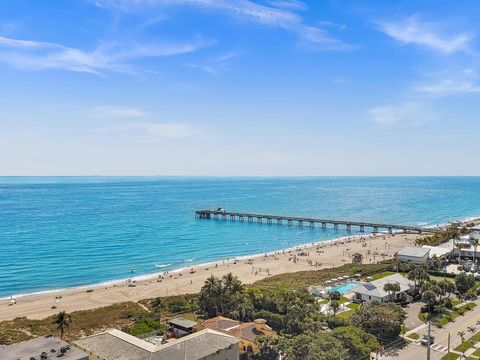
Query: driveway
412	321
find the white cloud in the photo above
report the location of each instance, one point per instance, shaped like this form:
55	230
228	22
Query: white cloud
27	44
116	112
165	130
452	82
245	10
412	31
216	64
410	113
448	87
38	55
288	4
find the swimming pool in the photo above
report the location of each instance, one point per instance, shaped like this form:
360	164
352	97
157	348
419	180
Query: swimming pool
345	288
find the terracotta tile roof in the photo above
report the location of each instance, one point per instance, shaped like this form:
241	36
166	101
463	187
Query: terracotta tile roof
246	331
219	323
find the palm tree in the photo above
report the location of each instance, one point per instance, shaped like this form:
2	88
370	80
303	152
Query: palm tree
62	320
335	305
232	291
211	296
462	337
436	262
475	243
388	287
397	264
157	305
418	275
287	300
228	280
459	247
395	288
472	329
192	306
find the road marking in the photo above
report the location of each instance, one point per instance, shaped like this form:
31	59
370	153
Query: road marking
438	347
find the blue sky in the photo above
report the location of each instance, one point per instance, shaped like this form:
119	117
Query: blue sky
239	87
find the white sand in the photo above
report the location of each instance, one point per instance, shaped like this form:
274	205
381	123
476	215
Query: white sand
330	254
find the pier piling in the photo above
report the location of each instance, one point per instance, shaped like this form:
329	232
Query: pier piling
208	214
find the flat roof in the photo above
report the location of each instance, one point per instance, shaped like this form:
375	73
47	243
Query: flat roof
182	322
437	251
34	347
413	251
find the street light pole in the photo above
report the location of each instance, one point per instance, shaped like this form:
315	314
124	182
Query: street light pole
449	345
428	346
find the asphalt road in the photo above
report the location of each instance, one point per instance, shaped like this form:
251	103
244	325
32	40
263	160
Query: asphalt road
416	351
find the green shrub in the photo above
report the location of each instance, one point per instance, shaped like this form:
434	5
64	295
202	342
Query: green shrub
145	325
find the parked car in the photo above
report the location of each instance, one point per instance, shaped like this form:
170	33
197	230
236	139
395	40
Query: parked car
424	340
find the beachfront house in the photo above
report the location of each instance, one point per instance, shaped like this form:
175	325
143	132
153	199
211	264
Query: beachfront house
413	255
180	326
374	291
202	345
441	251
247	332
475	232
49	346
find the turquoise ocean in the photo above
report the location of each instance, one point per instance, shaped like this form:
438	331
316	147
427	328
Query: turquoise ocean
58	232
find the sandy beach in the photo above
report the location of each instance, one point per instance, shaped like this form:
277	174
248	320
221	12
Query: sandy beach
327	254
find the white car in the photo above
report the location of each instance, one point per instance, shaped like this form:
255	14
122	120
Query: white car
424	340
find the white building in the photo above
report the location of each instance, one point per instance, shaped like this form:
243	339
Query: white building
413	255
475	234
202	345
373	291
440	251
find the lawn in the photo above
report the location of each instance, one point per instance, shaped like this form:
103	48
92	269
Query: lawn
348	314
413	336
450	357
382	275
444	320
467	344
456	302
441	278
304	279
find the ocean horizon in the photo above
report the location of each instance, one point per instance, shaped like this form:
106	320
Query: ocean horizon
59	232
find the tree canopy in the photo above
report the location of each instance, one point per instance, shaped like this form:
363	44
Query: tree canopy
464	283
384	320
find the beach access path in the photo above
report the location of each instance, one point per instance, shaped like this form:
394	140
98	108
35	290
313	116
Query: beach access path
330	254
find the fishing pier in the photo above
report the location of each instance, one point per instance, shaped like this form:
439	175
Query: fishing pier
222	214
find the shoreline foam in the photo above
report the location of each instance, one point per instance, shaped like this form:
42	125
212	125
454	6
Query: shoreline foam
156	275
